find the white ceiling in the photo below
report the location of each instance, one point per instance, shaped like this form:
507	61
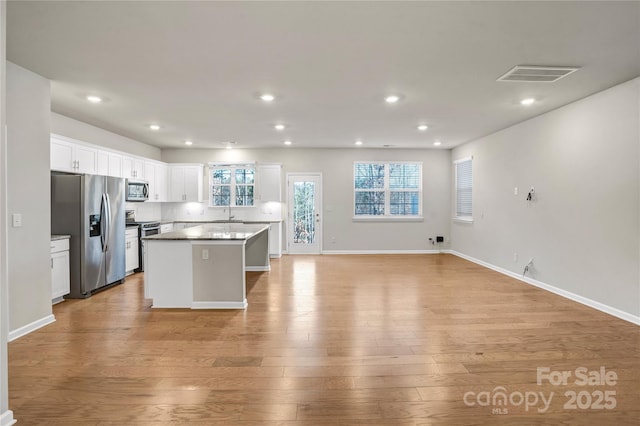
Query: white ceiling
196	68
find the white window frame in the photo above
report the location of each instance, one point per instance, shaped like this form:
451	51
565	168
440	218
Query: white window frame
232	184
457	217
388	217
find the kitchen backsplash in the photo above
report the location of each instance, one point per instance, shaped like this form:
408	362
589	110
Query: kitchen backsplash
268	212
146	212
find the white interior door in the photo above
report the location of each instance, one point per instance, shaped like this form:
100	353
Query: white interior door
304	221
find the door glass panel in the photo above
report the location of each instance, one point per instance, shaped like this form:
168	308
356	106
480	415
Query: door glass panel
304	212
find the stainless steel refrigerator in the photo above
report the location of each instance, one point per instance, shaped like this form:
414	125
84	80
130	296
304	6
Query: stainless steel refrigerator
90	209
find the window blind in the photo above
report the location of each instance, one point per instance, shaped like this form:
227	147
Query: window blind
464	188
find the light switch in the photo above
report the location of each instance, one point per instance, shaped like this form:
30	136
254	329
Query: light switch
16	220
205	254
515	191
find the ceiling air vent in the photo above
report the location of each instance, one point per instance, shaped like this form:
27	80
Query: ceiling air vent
536	74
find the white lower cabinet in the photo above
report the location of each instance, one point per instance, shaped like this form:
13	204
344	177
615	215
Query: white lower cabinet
60	284
132	261
275	241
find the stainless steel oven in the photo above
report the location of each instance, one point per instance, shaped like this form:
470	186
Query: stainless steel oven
146	229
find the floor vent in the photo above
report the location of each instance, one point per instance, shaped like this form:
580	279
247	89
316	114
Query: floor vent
536	74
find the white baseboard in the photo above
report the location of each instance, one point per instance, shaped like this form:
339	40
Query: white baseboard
219	305
24	330
257	268
383	251
275	256
6	419
560	292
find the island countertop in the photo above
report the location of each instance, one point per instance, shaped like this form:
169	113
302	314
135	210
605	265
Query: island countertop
212	231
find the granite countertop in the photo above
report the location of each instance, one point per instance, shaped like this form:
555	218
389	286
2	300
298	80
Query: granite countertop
60	237
228	231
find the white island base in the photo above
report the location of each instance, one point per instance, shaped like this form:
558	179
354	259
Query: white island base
204	267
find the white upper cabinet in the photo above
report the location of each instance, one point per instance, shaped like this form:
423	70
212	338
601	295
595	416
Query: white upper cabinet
109	163
150	176
269	182
115	165
185	182
103	163
67	156
156	175
162	180
86	159
132	168
62	155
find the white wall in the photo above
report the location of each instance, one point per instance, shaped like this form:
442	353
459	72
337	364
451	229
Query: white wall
65	126
28	193
337	168
582	227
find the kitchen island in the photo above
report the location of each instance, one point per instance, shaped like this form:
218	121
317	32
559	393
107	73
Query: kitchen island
204	267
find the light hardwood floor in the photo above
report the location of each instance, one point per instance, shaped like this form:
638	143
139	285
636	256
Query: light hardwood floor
327	340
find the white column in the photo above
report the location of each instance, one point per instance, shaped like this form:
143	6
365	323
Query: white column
6	415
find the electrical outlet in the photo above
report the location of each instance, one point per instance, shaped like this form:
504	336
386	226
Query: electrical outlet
515	257
16	220
515	191
205	254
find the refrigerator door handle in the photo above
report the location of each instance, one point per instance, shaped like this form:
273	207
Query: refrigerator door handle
108	236
103	224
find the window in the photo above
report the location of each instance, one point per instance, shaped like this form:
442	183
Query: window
387	190
231	185
464	188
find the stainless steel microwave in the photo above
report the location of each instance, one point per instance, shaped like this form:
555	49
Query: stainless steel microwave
136	190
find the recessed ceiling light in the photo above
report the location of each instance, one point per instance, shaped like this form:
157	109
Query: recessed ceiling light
358	142
279	127
392	99
437	143
188	143
154	127
94	99
423	127
229	147
527	101
287	142
267	97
